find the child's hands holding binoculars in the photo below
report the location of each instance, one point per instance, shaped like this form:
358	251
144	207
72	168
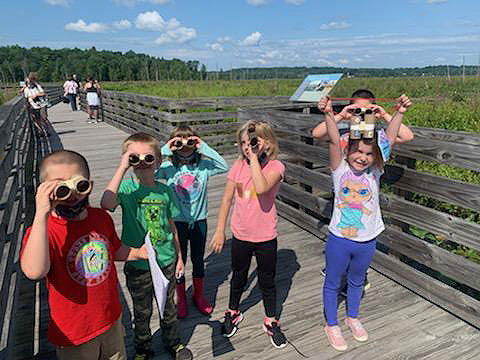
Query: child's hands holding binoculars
178	143
45	196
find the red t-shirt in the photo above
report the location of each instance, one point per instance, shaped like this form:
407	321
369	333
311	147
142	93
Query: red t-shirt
82	281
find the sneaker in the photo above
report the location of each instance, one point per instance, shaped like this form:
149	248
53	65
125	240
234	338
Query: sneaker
230	323
181	352
358	331
143	354
277	338
335	337
366	284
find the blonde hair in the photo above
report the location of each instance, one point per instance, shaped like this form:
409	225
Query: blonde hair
64	157
144	138
264	131
183	131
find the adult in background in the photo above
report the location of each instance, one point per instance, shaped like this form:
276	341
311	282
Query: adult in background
37	103
79	86
92	88
70	88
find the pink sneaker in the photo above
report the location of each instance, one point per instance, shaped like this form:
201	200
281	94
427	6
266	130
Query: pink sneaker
358	331
335	337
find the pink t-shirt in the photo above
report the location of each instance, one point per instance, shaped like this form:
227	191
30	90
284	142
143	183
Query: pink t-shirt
254	216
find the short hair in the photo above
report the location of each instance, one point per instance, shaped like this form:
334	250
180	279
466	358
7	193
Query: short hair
182	131
263	130
64	157
363	94
33	76
141	137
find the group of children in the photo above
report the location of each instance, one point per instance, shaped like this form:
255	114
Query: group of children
75	245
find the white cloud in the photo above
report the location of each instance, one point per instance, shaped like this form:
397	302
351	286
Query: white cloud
82	26
122	24
179	35
58	2
335	26
257	2
437	2
252	39
224	39
132	3
216	47
150	20
343	61
295	2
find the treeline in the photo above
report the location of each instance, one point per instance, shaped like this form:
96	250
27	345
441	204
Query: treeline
301	72
54	65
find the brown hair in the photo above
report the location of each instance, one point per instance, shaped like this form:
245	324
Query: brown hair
182	131
353	146
264	131
64	157
33	77
144	138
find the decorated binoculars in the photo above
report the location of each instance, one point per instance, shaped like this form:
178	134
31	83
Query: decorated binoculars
252	136
184	142
78	184
362	124
135	159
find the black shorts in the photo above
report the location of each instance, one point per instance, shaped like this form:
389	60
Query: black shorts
93	107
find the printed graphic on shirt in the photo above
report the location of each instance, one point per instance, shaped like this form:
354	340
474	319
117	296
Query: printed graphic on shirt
354	193
249	193
88	262
187	186
153	212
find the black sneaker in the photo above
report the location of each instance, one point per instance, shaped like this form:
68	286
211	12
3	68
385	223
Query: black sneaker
276	336
230	323
181	352
143	354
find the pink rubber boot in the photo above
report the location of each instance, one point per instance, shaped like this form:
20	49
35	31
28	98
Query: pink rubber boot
182	310
199	300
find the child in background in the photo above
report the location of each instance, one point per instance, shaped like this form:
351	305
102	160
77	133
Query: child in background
148	207
189	165
356	219
253	181
74	247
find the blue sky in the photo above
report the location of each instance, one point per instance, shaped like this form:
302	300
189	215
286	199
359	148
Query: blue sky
246	33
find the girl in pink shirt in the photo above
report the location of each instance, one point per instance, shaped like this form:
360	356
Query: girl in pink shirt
253	181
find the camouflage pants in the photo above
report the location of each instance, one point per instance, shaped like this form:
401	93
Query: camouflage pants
140	286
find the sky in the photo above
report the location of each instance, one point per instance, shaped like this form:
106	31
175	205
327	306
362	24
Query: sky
248	33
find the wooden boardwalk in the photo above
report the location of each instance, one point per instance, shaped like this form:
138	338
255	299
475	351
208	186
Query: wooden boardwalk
401	324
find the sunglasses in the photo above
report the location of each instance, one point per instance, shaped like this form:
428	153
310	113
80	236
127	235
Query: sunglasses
184	143
147	159
77	184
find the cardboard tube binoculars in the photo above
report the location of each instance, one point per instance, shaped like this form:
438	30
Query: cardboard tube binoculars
362	124
78	184
184	143
252	136
135	160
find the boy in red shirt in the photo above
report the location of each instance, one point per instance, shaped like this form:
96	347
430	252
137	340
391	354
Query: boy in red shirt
74	246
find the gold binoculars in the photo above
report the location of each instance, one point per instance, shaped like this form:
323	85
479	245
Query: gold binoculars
185	143
77	184
362	124
147	159
252	135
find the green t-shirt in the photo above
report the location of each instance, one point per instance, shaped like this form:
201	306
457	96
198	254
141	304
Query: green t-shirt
148	209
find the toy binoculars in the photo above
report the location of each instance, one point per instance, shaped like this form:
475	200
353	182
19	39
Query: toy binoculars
78	184
252	136
362	124
135	159
185	142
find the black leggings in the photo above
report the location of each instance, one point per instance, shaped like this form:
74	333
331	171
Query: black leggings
197	235
266	256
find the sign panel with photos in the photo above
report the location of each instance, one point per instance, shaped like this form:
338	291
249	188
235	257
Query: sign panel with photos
314	87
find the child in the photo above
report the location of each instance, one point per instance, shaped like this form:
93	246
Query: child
147	207
74	246
253	180
356	220
364	98
187	174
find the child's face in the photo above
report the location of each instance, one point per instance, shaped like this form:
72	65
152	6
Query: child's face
185	150
245	144
63	172
363	102
361	156
354	192
143	169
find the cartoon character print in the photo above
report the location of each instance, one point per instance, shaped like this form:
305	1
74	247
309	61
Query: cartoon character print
155	222
354	193
188	187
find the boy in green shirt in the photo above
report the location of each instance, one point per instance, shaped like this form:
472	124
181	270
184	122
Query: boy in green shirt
148	207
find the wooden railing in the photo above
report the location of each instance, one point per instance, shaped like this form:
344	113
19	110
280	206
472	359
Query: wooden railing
449	280
23	303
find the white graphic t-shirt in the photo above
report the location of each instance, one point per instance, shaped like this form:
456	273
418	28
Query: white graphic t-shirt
356	212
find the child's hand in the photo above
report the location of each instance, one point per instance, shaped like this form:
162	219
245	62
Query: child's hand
180	268
254	151
125	161
325	105
347	111
216	244
45	196
403	103
171	143
198	141
378	111
142	252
